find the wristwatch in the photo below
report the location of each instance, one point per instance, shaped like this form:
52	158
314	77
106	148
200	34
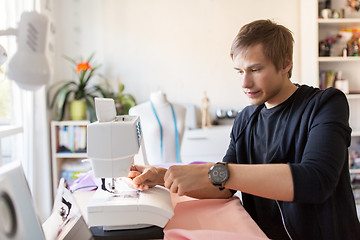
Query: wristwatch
219	174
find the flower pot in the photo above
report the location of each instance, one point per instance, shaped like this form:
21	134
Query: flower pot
77	110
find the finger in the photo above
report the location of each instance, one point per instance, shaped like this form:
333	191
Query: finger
139	168
132	168
142	178
130	183
166	176
180	191
133	174
174	188
143	187
167	182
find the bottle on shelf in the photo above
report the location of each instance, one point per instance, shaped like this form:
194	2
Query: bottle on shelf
353	44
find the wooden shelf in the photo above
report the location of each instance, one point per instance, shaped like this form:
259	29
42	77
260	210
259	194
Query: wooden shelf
354	171
70	123
355	134
353	96
340	22
339	59
71	155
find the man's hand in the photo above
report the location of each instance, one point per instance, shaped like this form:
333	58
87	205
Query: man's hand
144	177
183	179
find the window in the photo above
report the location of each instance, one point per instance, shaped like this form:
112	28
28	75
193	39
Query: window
5	85
6	141
5	101
11	143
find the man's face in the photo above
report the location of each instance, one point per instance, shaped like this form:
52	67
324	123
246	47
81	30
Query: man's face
261	82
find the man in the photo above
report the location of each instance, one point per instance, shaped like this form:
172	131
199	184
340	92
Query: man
288	152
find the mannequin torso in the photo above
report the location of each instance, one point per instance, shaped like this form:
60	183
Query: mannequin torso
151	127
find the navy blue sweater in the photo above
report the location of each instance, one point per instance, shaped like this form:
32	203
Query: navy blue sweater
315	145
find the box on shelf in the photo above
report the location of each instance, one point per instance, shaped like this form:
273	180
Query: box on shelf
71	169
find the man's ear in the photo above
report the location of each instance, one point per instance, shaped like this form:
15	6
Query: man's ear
287	65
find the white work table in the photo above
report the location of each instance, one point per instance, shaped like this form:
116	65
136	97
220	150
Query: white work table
193	210
206	145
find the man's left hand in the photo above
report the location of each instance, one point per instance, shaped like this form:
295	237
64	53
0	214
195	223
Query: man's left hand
182	179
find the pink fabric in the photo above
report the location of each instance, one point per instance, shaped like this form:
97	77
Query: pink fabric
211	219
182	234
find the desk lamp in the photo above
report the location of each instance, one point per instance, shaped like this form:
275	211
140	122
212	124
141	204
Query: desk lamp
29	66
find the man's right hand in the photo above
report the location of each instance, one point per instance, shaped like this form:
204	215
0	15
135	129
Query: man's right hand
143	177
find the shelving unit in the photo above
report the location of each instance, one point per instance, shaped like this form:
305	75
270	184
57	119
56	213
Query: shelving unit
68	148
350	69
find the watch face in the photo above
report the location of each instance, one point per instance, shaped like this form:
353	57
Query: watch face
219	174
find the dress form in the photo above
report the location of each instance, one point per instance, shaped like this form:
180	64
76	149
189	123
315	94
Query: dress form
151	128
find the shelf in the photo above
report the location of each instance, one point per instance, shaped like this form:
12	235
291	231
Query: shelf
340	22
70	123
339	59
71	155
353	96
355	134
355	171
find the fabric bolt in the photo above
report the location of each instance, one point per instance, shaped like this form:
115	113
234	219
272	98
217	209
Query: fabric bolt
210	219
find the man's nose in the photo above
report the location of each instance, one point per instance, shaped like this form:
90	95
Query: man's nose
247	81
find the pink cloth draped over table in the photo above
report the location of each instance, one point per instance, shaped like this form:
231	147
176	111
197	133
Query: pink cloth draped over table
211	219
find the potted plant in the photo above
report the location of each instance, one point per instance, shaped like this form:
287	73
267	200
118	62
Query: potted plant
79	94
123	101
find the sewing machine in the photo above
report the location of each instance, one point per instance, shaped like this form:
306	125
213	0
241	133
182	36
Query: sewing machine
112	143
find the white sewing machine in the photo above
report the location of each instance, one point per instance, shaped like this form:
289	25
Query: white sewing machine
112	143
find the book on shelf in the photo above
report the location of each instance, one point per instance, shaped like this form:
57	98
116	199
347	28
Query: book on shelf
327	79
71	139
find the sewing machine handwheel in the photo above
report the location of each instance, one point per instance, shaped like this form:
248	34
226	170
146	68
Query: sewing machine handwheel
8	222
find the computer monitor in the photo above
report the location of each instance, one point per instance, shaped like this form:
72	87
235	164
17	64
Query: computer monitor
18	219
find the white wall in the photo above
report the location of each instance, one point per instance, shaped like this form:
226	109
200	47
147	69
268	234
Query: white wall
179	47
78	27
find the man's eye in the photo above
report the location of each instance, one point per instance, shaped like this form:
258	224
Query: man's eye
255	70
240	72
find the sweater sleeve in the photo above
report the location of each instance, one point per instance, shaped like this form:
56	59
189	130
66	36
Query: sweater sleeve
325	154
230	156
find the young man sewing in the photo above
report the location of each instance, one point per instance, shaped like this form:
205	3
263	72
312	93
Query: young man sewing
288	153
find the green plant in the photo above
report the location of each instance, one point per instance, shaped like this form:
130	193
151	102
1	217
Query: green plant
78	89
123	101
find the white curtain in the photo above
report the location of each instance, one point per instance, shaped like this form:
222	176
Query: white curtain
38	163
29	110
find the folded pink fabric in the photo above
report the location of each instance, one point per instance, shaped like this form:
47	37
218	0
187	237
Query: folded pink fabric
211	219
181	234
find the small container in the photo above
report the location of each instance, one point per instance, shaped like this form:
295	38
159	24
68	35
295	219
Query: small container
326	13
231	113
220	113
343	85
